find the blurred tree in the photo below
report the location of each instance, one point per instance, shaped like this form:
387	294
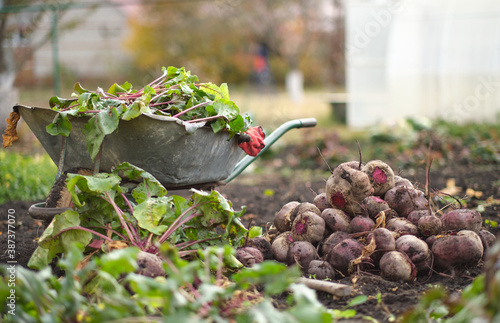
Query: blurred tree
191	34
19	21
219	39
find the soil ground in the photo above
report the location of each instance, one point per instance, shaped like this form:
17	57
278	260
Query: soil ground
265	194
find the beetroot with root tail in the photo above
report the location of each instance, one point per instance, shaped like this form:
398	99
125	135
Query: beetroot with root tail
381	176
456	250
336	220
283	218
396	266
308	226
404	200
321	270
249	256
462	219
301	253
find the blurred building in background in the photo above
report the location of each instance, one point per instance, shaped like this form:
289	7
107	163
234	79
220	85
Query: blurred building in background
93	48
432	58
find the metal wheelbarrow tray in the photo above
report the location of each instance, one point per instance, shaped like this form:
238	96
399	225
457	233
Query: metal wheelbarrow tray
160	145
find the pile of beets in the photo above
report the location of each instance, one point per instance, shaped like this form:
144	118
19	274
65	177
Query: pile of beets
372	220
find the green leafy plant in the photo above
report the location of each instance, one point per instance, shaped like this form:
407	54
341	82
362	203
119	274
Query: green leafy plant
146	219
107	288
25	177
176	93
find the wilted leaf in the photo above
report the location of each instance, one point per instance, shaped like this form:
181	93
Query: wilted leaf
10	134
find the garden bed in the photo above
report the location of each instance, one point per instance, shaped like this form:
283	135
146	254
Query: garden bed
265	194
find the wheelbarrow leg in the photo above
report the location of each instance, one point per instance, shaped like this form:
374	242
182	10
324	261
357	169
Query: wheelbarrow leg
62	158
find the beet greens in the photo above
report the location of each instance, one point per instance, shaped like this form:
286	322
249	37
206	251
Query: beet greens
176	93
105	211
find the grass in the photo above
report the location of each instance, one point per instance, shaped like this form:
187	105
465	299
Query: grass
25	177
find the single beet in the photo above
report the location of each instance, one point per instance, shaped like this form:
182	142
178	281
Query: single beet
280	246
402	226
335	238
343	253
384	239
462	219
282	218
321	202
149	265
336	220
396	266
308	226
415	248
381	176
249	256
347	187
429	225
301	253
321	270
374	205
404	199
454	250
361	223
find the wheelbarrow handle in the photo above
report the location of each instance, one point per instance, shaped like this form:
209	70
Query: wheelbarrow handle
269	141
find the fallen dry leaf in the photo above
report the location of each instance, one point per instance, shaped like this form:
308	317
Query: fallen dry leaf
451	188
10	134
380	220
470	192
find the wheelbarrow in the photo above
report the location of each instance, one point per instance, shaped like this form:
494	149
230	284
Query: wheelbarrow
158	144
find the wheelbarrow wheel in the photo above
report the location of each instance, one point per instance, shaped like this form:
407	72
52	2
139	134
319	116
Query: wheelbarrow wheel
59	196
